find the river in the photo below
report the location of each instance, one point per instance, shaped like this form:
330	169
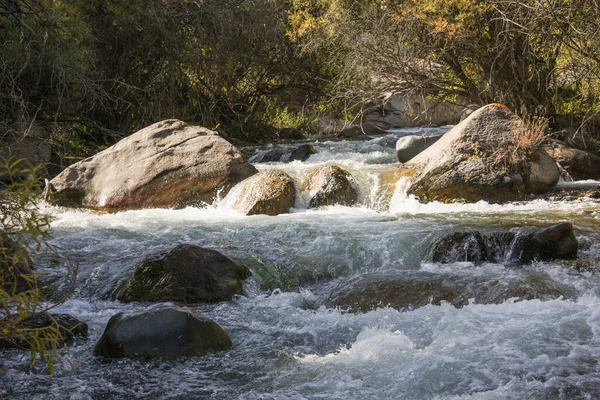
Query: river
290	343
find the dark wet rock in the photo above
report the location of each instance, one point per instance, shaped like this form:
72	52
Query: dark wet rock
186	274
15	264
289	134
579	164
557	242
168	164
68	327
523	246
472	246
270	192
163	330
473	162
285	155
331	185
359	130
404	290
408	147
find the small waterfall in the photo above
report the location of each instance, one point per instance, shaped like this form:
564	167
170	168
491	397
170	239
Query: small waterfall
564	175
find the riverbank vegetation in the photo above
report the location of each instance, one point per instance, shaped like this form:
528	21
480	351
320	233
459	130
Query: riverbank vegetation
85	74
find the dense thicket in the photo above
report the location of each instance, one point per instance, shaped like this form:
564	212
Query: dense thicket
539	57
91	71
84	73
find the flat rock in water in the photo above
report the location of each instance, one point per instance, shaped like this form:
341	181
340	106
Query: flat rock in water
475	161
331	185
163	330
186	274
270	192
168	164
406	290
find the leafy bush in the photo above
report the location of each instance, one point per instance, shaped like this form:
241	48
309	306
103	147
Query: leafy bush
23	227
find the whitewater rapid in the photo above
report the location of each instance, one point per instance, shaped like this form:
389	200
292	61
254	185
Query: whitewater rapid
289	342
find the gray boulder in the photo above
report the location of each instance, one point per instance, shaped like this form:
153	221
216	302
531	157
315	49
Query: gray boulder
186	274
408	147
476	161
168	164
330	185
270	192
162	330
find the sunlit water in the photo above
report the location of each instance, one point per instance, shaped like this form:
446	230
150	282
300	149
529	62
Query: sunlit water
289	343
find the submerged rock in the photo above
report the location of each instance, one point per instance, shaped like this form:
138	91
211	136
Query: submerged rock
270	192
405	290
186	274
285	155
474	161
330	185
162	330
408	147
523	246
168	164
67	326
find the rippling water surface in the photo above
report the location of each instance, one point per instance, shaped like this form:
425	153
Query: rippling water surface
290	343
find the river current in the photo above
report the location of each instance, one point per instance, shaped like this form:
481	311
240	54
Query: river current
289	343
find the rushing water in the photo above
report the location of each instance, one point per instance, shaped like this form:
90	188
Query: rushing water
289	343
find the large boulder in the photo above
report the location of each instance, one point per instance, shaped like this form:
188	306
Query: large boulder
330	185
270	192
186	274
284	154
579	164
521	246
404	290
168	164
408	147
483	158
65	325
162	330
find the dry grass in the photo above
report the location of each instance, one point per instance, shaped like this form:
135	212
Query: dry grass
523	142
